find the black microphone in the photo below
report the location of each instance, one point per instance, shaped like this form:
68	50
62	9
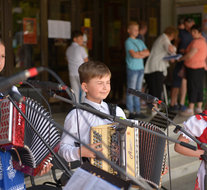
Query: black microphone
46	85
8	82
146	97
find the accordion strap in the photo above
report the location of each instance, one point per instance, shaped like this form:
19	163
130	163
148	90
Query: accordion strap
17	153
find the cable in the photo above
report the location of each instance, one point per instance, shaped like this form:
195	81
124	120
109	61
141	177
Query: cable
139	181
78	127
168	149
48	105
71	95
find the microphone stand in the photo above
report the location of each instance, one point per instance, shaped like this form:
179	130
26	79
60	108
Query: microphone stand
38	134
138	181
202	145
120	120
179	128
116	119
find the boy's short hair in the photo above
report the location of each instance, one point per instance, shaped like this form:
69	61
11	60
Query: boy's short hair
76	34
92	69
132	23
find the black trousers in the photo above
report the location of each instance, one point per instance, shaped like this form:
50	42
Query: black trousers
195	80
155	83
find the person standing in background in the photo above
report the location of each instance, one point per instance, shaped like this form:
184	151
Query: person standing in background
179	83
136	51
76	55
156	67
142	30
195	63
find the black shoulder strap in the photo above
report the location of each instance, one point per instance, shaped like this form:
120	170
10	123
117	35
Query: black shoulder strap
112	109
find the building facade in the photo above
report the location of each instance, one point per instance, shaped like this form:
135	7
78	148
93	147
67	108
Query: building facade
24	29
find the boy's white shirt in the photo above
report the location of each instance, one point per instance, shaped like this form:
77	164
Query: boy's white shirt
85	120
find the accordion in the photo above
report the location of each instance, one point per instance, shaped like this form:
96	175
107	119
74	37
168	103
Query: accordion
112	144
16	135
139	152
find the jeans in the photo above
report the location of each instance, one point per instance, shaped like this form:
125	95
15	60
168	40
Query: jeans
76	86
134	81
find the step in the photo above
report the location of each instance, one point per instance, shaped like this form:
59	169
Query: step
182	183
181	166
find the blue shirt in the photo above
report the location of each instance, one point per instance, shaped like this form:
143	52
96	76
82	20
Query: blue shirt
136	45
185	39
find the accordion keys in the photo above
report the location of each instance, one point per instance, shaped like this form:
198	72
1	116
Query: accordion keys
102	134
123	153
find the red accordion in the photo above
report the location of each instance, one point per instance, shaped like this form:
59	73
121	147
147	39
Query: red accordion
28	151
12	124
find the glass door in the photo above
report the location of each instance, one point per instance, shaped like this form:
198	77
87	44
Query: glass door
26	34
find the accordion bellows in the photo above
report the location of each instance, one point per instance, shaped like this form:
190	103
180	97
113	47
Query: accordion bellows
17	136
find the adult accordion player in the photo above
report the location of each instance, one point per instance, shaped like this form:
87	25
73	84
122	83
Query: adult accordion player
28	151
139	152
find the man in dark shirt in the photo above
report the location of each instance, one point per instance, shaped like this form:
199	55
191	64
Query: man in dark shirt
184	40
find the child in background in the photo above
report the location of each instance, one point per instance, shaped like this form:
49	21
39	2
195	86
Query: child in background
76	55
136	51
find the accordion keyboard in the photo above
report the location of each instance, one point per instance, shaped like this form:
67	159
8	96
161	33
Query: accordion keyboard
109	142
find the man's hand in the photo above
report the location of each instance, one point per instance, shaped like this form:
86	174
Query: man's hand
87	153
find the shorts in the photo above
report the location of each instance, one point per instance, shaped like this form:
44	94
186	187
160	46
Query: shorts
176	79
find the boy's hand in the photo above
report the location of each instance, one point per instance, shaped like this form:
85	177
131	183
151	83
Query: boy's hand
45	169
87	153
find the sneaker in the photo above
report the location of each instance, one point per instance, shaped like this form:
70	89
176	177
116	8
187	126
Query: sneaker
174	108
188	112
198	110
183	108
140	116
131	115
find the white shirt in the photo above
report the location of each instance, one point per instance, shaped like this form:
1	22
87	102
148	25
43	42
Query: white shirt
86	120
159	50
75	56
